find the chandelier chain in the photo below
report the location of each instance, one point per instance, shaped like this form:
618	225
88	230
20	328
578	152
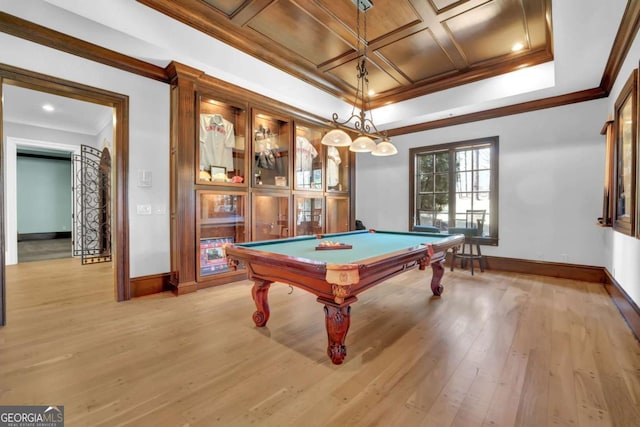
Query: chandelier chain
362	84
367	130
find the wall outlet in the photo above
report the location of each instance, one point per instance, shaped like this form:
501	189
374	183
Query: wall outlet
564	257
143	209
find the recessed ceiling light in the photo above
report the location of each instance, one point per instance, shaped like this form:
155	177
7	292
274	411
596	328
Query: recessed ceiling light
48	107
517	47
371	92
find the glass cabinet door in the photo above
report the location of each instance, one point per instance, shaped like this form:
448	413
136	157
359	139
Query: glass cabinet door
221	220
338	214
309	215
337	168
222	143
308	159
271	145
270	217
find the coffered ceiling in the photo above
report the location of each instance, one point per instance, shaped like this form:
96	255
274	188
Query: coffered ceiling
416	47
241	42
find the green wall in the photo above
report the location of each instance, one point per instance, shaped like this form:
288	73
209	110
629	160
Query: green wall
44	195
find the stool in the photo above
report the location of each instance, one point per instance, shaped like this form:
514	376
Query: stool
467	253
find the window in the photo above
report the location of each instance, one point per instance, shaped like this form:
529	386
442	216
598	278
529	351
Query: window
450	179
626	128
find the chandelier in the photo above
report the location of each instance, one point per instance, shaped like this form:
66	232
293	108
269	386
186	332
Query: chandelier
367	130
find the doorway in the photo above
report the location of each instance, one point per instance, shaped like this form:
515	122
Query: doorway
11	149
120	104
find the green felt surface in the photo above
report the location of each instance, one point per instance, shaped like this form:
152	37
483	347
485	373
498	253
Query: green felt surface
365	245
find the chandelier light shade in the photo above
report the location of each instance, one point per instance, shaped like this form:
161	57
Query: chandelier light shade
385	148
367	131
362	144
336	138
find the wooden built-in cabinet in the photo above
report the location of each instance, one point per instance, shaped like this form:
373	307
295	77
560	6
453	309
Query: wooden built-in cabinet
309	214
222	145
221	219
338	214
270	215
338	171
309	162
271	150
246	168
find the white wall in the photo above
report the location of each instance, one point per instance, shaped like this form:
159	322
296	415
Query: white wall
551	169
44	195
35	133
624	251
104	139
148	140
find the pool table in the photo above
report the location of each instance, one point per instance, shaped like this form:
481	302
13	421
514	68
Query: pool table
337	275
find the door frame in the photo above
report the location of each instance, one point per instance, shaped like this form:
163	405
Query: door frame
120	103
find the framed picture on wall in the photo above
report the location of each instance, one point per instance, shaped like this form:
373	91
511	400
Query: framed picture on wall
212	257
626	140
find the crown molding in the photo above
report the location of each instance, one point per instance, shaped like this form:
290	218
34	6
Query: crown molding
523	107
36	33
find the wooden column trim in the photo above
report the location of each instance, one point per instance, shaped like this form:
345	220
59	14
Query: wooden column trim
182	159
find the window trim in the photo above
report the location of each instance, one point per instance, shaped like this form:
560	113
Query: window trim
492	239
629	92
606	220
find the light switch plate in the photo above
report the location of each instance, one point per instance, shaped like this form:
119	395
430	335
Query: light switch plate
144	178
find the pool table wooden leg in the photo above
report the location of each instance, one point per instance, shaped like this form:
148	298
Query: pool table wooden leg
338	319
259	292
438	272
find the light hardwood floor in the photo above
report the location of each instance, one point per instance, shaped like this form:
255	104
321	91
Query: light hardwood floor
496	349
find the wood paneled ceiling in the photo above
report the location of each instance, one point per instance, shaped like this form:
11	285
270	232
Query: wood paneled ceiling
416	47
